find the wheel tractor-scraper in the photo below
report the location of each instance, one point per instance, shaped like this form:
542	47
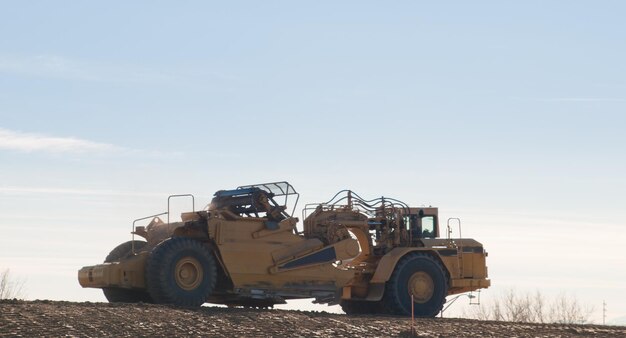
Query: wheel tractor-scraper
244	249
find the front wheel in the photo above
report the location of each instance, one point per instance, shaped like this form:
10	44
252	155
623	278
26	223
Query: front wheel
421	276
181	271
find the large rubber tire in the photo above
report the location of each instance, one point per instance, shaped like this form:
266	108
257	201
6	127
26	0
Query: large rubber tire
423	276
181	271
359	307
119	295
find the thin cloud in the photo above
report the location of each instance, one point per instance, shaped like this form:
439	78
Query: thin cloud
30	142
584	99
21	190
33	142
72	69
70	191
571	99
54	66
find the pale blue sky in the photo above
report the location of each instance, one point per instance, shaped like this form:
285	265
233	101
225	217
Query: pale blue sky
508	115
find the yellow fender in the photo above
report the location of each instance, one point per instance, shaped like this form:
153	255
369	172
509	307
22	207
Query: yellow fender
386	265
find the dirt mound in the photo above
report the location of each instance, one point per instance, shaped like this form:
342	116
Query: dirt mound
50	318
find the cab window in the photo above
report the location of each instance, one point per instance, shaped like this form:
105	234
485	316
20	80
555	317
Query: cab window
428	227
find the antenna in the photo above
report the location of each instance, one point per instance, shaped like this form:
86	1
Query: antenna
603	312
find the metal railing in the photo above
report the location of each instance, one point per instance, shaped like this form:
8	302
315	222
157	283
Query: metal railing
132	231
193	208
455	298
458	244
193	203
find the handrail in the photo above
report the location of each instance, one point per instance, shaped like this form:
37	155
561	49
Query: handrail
193	207
450	230
459	245
132	245
193	203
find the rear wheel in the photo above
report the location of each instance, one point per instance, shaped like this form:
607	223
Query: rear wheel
119	295
181	271
421	276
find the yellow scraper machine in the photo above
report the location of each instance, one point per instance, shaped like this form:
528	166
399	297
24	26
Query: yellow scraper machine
369	256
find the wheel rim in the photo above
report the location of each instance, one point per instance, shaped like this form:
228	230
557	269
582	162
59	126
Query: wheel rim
421	287
188	273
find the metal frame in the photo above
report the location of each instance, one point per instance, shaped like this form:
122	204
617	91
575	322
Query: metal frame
193	208
281	188
132	246
450	229
459	246
193	203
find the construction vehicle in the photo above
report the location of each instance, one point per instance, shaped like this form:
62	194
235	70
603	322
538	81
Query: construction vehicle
244	249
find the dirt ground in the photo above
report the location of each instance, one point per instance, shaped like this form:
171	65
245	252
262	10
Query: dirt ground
66	319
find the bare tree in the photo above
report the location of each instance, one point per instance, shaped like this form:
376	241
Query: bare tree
10	288
538	308
532	308
567	309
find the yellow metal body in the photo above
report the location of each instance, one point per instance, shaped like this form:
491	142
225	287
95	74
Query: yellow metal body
127	274
255	259
467	272
464	260
342	254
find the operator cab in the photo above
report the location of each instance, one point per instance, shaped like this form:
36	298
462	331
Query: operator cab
422	222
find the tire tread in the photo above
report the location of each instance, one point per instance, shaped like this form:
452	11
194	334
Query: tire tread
158	272
391	302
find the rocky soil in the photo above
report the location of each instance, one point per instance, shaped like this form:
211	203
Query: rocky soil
65	319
